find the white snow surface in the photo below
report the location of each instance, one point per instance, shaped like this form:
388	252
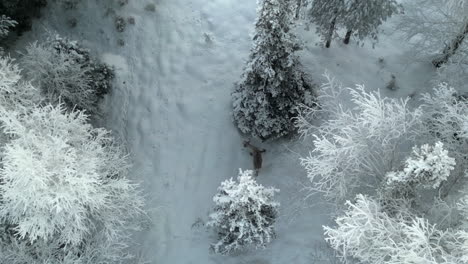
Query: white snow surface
171	106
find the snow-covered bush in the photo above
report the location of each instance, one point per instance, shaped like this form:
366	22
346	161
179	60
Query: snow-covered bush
357	145
367	233
64	187
14	93
428	166
244	214
66	72
360	18
273	84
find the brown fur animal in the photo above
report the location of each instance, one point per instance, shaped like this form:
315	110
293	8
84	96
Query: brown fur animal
256	154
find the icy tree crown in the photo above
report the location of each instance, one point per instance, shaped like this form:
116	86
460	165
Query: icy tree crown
428	165
62	179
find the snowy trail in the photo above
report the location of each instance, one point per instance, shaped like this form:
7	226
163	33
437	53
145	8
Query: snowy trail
186	57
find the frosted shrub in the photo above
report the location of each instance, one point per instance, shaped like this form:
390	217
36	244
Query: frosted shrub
66	72
244	214
64	186
428	166
273	84
367	233
358	145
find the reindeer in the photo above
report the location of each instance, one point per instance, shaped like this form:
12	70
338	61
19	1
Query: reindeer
256	155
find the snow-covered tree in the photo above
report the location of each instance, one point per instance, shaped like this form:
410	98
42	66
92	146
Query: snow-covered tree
363	18
66	72
460	9
367	233
428	166
437	31
244	214
360	18
357	145
273	84
325	14
64	187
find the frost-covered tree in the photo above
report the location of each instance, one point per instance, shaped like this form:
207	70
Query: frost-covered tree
273	84
428	166
367	233
437	31
360	18
244	214
460	9
357	145
325	15
363	18
66	72
64	191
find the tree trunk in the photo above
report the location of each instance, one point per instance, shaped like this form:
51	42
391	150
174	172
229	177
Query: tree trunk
298	8
330	33
450	50
347	36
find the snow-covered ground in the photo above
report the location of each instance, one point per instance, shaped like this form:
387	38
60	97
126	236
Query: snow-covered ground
171	105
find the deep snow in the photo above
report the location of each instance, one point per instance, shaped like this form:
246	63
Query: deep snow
171	106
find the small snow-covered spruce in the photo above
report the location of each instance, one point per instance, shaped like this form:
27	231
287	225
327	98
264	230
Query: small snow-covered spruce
244	214
355	146
428	166
64	188
273	84
367	233
66	72
360	18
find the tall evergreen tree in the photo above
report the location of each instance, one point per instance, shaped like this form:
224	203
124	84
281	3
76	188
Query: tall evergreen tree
273	84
